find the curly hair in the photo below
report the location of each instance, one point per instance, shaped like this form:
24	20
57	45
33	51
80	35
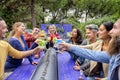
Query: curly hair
79	37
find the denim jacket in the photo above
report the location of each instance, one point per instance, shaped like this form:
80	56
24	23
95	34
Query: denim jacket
75	57
100	56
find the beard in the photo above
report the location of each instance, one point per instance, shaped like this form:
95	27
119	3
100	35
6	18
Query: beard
114	45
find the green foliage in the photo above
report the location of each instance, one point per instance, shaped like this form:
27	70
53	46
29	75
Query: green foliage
13	11
98	22
7	18
20	10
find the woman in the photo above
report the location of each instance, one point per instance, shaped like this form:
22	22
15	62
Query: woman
17	41
76	39
52	33
112	57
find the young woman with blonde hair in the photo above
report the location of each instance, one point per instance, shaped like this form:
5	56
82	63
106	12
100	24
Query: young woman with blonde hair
17	41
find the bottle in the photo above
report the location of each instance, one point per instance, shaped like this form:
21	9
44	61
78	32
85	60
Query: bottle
57	46
81	77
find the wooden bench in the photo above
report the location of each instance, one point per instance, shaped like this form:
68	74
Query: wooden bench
25	71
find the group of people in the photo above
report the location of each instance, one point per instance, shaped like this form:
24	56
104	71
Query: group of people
20	44
16	48
97	55
104	52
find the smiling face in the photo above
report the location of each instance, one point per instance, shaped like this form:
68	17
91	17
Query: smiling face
52	29
3	29
35	31
103	33
74	33
19	28
116	29
90	34
114	46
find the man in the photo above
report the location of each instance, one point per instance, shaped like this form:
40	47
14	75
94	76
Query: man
116	29
91	37
31	37
6	49
91	34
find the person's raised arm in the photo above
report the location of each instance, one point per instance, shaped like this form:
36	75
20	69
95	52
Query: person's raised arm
89	54
99	56
21	54
29	52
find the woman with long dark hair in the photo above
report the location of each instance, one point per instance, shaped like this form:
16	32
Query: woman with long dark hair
76	39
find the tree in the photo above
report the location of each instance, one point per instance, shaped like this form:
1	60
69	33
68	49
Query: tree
33	13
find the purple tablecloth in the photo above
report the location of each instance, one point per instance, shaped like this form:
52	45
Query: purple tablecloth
24	71
65	67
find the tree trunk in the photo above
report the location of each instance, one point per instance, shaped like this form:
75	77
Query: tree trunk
86	14
33	13
43	20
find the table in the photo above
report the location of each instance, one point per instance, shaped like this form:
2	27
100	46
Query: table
24	71
65	67
55	66
47	67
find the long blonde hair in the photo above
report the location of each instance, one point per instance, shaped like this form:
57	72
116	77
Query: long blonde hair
14	28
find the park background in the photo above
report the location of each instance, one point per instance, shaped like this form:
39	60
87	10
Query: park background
78	13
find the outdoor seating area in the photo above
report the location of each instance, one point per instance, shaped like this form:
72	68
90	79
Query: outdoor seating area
51	66
60	40
25	71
